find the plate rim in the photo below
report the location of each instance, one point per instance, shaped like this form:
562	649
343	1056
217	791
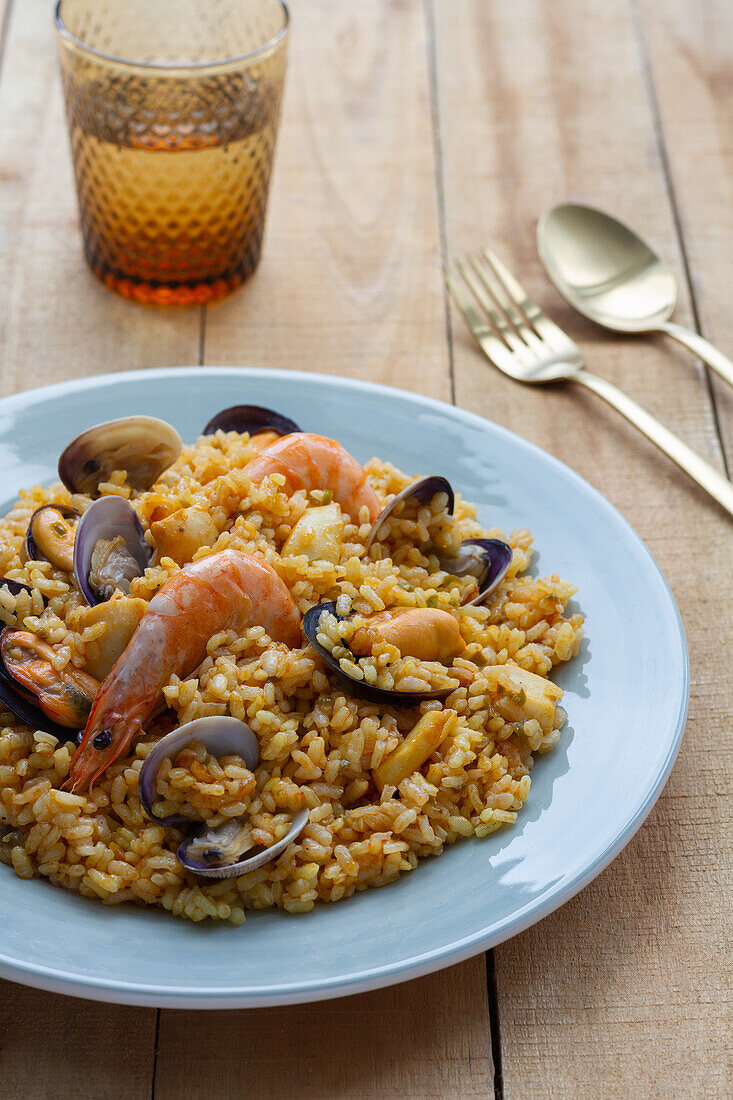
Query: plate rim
139	993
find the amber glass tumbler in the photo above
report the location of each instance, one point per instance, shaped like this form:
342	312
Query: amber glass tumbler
173	108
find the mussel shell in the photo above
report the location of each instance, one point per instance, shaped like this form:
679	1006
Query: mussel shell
18	704
90	458
15	587
423	490
488	564
259	858
359	687
251	419
222	736
31	549
105	519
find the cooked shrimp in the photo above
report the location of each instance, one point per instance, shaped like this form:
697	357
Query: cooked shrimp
309	461
225	591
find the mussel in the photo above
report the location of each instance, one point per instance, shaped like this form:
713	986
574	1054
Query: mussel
143	446
311	621
50	535
110	549
252	419
485	559
212	853
32	689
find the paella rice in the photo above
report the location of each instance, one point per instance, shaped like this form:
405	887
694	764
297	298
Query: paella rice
324	747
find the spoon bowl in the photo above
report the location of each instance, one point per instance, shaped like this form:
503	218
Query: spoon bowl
610	275
604	270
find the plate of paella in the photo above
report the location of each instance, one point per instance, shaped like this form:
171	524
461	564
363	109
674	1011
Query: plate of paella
305	685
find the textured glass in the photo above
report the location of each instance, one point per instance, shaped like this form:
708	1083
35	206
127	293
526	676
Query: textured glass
172	136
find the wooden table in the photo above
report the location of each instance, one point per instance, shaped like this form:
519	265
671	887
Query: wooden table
410	132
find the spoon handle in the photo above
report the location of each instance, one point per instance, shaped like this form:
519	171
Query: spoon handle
702	348
688	460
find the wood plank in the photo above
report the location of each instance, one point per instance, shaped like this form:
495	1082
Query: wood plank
424	1040
60	1047
56	320
620	992
690	46
349	284
349	281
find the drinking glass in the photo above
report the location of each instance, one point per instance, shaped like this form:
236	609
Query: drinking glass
173	108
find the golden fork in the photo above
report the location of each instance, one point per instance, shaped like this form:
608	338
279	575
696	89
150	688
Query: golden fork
518	338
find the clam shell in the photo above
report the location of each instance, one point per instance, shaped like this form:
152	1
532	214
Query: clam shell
359	687
222	736
107	518
260	857
485	559
252	419
423	490
144	446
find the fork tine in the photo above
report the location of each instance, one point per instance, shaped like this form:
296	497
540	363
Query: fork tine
536	322
496	315
504	303
515	291
492	345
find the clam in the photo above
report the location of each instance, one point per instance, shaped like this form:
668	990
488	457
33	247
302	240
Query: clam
143	446
394	696
32	689
485	559
50	535
110	549
15	587
212	853
252	419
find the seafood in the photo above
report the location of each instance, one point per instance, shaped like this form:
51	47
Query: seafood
65	697
308	461
143	446
485	559
213	852
253	419
312	631
228	590
423	632
51	534
110	549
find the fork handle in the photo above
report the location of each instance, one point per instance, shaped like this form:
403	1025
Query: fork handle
688	460
702	348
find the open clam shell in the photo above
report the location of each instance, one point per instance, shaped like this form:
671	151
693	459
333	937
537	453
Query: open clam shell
485	559
31	547
144	446
222	736
423	490
359	687
105	520
216	843
212	853
251	419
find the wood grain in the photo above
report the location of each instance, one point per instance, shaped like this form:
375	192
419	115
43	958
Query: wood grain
690	45
349	281
56	1047
620	992
428	1039
57	321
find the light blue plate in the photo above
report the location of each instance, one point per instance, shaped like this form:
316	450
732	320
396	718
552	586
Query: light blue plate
626	700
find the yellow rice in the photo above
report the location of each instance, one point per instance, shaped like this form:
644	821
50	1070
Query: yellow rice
318	741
